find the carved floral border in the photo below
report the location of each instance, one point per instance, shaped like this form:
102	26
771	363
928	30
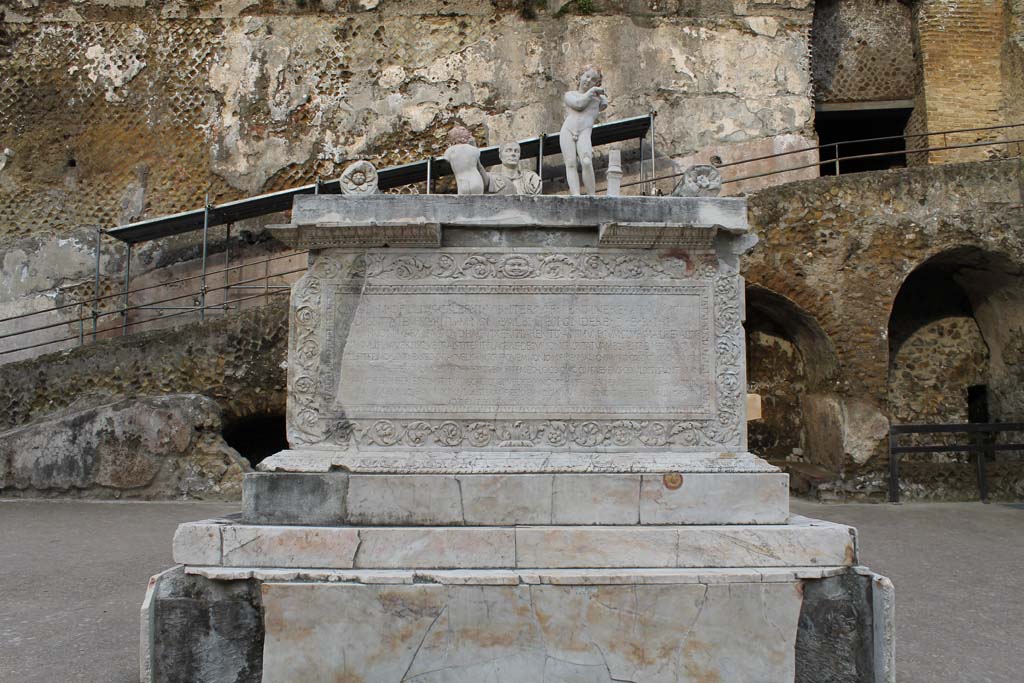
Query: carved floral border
308	426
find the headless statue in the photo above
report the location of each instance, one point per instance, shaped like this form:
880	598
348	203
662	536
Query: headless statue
464	158
582	108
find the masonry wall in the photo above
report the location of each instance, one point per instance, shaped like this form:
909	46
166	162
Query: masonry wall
863	50
841	248
116	111
962	84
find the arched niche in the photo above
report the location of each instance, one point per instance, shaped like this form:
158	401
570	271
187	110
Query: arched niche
957	323
790	362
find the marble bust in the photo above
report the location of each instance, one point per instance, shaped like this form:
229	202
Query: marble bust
464	158
512	179
582	108
359	178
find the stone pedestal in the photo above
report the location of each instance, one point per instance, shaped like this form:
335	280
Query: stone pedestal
518	453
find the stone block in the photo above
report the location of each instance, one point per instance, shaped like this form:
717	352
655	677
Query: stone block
595	547
289	546
741	633
788	545
506	500
412	500
435	548
595	499
197	543
195	629
714	499
289	498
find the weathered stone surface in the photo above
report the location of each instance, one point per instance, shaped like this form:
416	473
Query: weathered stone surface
504	499
195	629
268	546
715	499
236	360
800	544
470	349
595	499
512	499
197	543
167	446
727	213
404	500
287	498
436	548
511	462
835	637
738	632
509	577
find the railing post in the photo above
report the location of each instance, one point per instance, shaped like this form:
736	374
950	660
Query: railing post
980	439
127	284
96	285
540	161
654	155
430	172
894	470
836	156
202	281
227	264
643	185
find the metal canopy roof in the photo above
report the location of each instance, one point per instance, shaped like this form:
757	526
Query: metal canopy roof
387	178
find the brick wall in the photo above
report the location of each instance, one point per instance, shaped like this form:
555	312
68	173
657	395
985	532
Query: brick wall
960	46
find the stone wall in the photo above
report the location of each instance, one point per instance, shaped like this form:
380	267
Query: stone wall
88	421
117	111
961	45
841	248
863	50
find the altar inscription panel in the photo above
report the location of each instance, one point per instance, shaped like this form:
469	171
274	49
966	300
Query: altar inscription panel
480	335
543	350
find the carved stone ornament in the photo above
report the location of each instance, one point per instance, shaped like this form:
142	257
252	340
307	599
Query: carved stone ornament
359	178
326	298
699	181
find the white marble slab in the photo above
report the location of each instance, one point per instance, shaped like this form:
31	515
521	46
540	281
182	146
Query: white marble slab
804	543
739	632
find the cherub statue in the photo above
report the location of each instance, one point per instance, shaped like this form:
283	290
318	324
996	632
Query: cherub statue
464	158
512	179
582	108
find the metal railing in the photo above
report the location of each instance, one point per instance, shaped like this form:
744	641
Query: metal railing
982	445
90	311
87	316
1014	149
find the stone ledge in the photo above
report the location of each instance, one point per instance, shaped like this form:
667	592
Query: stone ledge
336	498
803	542
511	462
504	577
311	212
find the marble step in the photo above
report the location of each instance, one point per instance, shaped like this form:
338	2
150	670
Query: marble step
802	542
343	499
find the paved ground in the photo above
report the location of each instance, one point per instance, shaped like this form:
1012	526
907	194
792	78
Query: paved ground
72	576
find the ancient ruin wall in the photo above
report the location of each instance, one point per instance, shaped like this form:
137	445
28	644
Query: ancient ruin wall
117	110
863	50
961	45
840	249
